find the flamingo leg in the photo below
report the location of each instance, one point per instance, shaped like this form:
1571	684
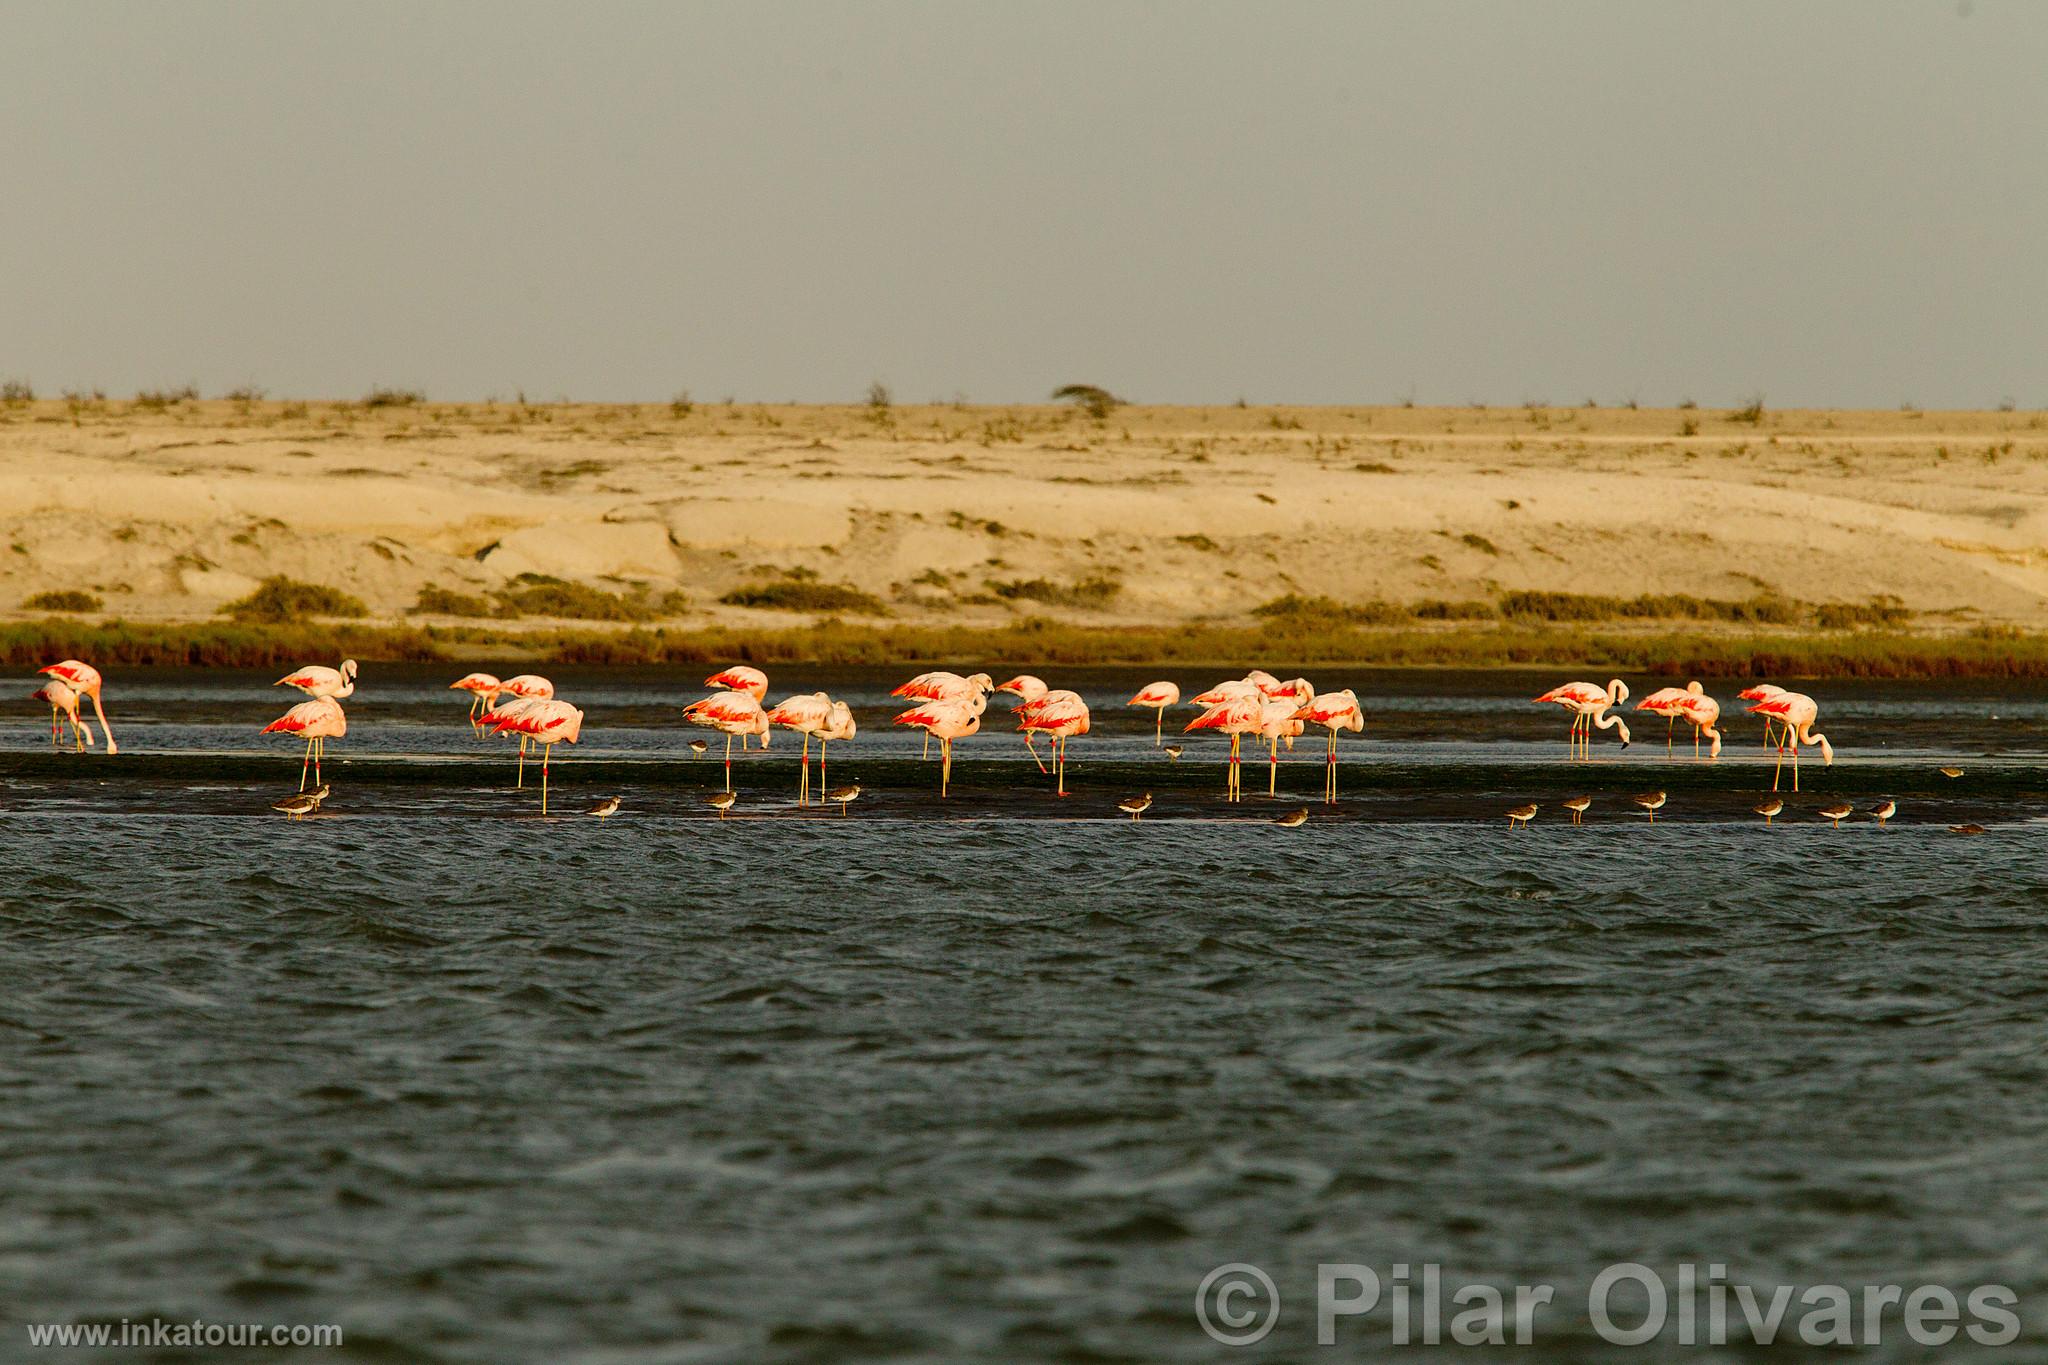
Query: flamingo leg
803	790
728	766
1669	722
821	769
926	755
1273	769
1063	764
546	750
1029	737
521	783
319	752
945	766
303	762
1158	726
1795	763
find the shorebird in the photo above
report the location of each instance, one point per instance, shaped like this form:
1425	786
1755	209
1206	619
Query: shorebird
546	722
1521	815
85	680
735	713
1966	829
1173	752
1334	711
845	796
483	689
1837	811
1951	772
315	721
1589	705
698	746
1796	712
605	808
1135	806
318	680
1885	810
1651	803
1158	696
721	802
1769	808
298	806
1294	819
1577	806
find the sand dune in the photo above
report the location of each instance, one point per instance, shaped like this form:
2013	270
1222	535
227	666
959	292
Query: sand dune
1192	512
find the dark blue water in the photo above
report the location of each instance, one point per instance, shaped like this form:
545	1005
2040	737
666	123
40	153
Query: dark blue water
662	1088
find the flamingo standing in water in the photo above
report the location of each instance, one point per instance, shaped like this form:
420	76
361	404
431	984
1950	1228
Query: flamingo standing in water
735	713
526	687
1027	689
1334	711
742	678
808	714
483	689
940	685
85	680
1158	696
64	698
1236	715
316	722
839	724
546	722
1795	712
1060	715
1763	692
946	720
1704	713
317	680
1279	718
1589	703
1666	702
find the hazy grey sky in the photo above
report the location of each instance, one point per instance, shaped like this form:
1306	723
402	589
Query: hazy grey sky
1839	202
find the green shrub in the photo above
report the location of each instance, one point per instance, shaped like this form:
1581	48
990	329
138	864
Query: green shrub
283	599
383	397
63	599
435	600
1878	611
1085	594
798	594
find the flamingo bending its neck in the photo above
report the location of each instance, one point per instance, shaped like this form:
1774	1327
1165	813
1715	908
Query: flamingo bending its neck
1236	716
483	689
1763	692
63	698
1334	711
1060	715
946	721
85	680
1796	713
1667	702
1027	689
1158	696
1589	703
547	722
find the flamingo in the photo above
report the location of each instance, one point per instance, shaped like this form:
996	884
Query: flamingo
1158	696
547	722
317	721
1335	711
64	698
1027	689
1588	704
1059	715
1795	712
946	721
317	680
808	714
525	687
483	689
1763	692
85	680
736	713
1704	713
1665	702
943	686
487	725
839	724
1278	720
1236	716
741	678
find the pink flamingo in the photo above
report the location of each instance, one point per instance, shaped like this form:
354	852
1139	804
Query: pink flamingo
483	689
946	720
525	687
1027	689
735	713
1588	703
1236	716
1763	692
1279	718
940	685
1668	702
317	722
85	680
1158	696
839	725
1704	713
808	714
1060	715
1795	712
546	722
63	698
742	678
317	680
1335	711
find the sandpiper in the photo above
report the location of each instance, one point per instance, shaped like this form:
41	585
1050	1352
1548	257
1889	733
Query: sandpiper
1885	810
1651	803
1135	806
1966	829
1173	752
1294	819
697	747
608	806
1837	812
1951	772
1769	808
721	802
298	805
1521	815
1577	806
845	796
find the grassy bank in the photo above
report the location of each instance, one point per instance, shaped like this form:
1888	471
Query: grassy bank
1652	649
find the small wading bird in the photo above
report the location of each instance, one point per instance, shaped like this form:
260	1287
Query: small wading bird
1769	808
734	713
545	721
604	809
946	721
1885	810
1762	692
1135	806
1795	712
1027	689
85	680
1521	815
1294	819
1966	829
317	680
1173	753
483	689
1334	711
1951	772
721	802
303	804
1650	803
63	698
697	747
1836	812
845	796
1577	806
1158	696
946	687
1589	705
316	722
1059	715
1665	702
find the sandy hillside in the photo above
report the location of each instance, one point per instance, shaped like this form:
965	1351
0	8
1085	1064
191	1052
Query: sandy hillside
942	511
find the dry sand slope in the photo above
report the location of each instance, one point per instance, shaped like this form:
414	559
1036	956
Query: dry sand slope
1192	512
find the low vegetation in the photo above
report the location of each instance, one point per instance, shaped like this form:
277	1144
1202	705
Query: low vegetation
804	593
63	599
1083	594
282	600
1092	399
533	594
383	397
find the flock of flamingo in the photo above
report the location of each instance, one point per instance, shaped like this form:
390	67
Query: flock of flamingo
949	707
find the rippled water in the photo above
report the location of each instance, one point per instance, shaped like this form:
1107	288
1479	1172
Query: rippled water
830	1089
